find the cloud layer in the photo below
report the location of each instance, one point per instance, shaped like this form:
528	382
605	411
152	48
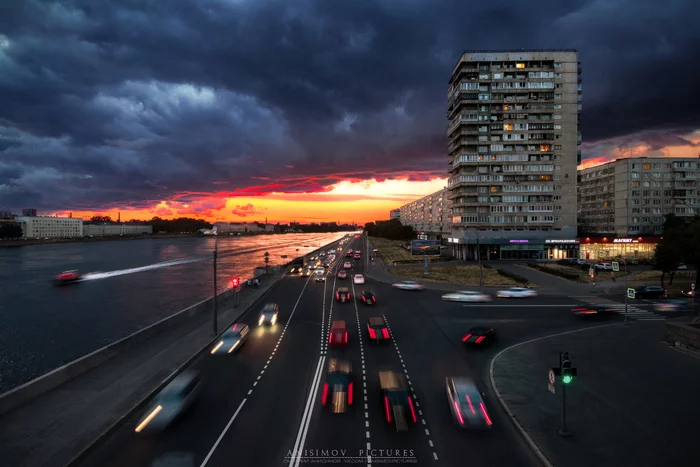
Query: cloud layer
129	103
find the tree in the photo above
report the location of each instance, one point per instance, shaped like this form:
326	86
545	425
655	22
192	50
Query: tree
101	219
667	258
392	229
10	230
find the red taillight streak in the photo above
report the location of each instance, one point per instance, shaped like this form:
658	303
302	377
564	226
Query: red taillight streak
350	394
374	298
330	338
348	296
337	296
466	338
469	401
372	333
579	309
486	416
413	411
346	337
364	299
459	413
589	312
386	409
385	333
324	397
480	338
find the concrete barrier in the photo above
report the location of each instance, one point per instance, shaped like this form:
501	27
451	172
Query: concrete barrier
48	381
683	334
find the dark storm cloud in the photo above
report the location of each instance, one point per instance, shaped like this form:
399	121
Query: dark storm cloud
126	103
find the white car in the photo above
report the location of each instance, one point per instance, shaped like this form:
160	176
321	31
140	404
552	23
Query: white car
408	285
516	292
347	265
466	296
358	279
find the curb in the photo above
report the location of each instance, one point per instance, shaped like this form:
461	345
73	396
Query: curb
139	405
538	452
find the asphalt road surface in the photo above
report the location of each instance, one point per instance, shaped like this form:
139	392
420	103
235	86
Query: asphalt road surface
262	405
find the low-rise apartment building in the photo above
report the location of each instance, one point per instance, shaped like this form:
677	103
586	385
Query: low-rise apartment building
50	227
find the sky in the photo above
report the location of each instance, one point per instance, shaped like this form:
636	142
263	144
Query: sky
306	110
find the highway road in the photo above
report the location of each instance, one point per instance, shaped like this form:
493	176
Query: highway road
262	405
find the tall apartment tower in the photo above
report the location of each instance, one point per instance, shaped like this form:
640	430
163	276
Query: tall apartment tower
513	128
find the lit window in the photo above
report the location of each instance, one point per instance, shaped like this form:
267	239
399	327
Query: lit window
508	126
519	65
544	147
506	107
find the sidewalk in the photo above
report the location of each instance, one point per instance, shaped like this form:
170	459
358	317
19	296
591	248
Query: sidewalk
634	401
57	426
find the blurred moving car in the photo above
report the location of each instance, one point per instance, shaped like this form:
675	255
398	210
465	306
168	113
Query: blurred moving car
338	334
466	403
600	311
378	330
269	314
232	339
368	297
320	275
357	256
342	274
398	404
172	401
68	277
408	285
358	279
307	272
347	265
338	387
480	335
466	296
342	294
650	291
675	306
516	292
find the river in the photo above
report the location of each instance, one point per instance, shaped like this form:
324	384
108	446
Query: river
129	285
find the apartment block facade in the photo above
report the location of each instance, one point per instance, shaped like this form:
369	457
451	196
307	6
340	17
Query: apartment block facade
430	215
395	214
50	227
513	129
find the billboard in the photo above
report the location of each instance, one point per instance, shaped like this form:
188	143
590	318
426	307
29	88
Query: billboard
425	247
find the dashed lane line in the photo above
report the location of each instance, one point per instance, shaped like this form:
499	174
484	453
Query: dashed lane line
412	389
364	379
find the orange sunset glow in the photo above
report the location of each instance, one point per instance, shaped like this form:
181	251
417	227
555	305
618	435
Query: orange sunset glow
346	201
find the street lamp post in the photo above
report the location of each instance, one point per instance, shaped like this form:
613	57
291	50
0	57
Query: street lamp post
216	295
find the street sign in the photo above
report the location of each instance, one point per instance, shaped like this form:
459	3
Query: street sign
551	388
591	271
616	266
630	293
552	377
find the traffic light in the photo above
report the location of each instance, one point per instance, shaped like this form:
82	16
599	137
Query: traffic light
236	282
567	373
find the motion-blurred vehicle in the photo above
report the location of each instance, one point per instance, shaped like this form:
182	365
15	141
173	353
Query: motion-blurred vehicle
650	291
480	336
368	297
594	311
342	274
377	330
347	265
342	294
516	292
466	296
398	404
320	275
338	334
466	403
170	403
307	272
357	256
232	339
269	314
337	389
408	285
684	306
68	277
358	279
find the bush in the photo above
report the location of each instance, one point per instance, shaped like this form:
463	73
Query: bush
555	272
512	275
486	266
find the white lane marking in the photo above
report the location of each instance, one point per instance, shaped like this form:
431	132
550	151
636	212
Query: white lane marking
538	452
364	375
306	416
221	436
518	306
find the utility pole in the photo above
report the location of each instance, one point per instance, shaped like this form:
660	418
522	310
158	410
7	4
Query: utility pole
425	265
626	294
216	295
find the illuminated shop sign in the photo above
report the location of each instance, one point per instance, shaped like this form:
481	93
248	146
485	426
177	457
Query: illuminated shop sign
520	241
624	240
562	241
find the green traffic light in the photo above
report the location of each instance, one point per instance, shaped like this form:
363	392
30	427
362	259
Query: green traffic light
567	379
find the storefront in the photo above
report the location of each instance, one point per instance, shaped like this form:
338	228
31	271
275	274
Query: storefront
629	248
523	249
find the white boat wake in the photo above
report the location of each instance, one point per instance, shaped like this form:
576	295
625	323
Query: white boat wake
91	276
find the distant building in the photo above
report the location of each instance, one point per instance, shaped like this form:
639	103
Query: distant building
430	215
239	227
106	230
50	227
395	214
29	212
6	215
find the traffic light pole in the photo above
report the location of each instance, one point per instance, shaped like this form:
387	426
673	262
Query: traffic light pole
564	365
563	431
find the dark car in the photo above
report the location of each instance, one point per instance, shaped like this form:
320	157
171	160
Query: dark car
650	291
397	402
378	330
170	403
591	311
480	336
338	334
342	274
368	297
466	403
337	389
269	314
343	294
